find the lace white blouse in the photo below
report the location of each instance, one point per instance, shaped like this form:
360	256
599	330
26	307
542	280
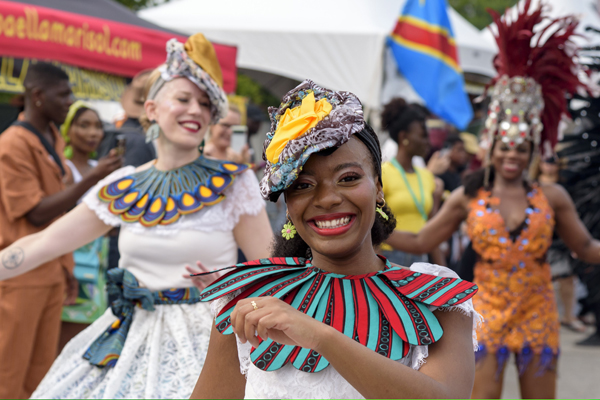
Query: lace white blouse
290	383
157	256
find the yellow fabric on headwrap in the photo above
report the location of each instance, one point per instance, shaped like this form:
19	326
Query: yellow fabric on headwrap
295	122
202	52
64	128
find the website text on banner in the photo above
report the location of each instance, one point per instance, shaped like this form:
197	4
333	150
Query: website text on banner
28	31
424	48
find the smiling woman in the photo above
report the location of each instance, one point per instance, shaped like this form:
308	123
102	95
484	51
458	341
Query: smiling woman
510	219
173	211
360	178
326	316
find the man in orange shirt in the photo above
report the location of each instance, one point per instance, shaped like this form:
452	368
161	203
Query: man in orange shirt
32	195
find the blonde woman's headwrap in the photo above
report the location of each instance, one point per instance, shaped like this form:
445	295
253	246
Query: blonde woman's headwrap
197	61
310	119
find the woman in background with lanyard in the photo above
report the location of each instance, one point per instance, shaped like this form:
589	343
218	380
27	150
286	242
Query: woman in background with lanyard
411	192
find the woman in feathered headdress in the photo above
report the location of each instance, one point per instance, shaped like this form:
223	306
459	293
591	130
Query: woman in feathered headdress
177	209
510	220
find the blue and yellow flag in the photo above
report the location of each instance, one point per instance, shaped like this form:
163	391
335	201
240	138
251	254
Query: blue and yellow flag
424	48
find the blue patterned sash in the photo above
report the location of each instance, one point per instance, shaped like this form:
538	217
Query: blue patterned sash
124	294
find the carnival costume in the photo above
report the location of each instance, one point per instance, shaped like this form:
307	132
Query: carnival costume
389	312
516	296
152	342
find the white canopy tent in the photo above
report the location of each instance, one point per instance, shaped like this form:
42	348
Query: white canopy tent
337	43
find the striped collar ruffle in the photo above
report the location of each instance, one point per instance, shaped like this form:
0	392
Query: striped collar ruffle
386	311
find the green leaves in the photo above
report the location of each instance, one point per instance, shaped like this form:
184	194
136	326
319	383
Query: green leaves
475	10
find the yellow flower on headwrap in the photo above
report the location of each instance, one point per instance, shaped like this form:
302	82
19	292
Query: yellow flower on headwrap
295	122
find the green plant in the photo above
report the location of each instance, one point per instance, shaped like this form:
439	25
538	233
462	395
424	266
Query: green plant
256	93
136	5
475	12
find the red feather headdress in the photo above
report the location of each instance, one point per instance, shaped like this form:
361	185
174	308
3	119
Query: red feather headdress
535	71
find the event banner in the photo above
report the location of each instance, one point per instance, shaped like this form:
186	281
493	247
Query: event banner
86	84
28	31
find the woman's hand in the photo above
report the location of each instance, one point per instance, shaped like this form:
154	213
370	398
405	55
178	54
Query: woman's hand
72	288
438	163
107	165
200	281
275	319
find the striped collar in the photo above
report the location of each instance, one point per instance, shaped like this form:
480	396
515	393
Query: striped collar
386	311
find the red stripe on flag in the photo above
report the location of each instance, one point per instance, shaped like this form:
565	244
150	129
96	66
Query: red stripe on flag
427	38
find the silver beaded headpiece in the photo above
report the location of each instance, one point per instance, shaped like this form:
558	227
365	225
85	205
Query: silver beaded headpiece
515	110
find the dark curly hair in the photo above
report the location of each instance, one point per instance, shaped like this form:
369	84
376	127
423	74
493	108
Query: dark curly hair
381	230
397	115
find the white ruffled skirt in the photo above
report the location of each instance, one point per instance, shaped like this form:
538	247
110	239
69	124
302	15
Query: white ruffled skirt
162	357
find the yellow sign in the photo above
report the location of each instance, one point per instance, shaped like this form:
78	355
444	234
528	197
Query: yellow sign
241	103
86	84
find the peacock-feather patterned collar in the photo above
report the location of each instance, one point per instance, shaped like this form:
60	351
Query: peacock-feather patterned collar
153	197
386	311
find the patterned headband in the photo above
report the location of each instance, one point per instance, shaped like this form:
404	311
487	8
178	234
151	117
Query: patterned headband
310	119
181	63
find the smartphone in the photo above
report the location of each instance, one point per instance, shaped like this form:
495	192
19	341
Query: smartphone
120	145
239	137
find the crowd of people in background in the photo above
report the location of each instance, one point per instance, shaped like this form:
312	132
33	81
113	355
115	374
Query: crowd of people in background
60	154
418	179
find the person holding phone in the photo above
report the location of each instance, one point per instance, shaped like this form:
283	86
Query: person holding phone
220	139
173	211
82	132
454	149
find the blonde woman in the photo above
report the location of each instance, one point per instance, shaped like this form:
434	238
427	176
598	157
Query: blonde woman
172	211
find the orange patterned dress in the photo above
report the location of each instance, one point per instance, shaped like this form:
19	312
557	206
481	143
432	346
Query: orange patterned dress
516	296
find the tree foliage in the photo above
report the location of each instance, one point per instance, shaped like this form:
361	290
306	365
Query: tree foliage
136	5
475	10
256	93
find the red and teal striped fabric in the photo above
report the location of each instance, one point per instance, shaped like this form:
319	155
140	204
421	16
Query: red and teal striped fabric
386	311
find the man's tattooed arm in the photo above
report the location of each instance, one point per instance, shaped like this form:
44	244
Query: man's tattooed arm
12	257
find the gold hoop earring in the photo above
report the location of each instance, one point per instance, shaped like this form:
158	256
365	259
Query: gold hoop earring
379	209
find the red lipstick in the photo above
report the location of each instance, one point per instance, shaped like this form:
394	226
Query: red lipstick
330	217
189	129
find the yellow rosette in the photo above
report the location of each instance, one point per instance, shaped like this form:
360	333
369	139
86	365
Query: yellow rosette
295	122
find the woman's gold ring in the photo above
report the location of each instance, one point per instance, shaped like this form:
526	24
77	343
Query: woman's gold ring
254	304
